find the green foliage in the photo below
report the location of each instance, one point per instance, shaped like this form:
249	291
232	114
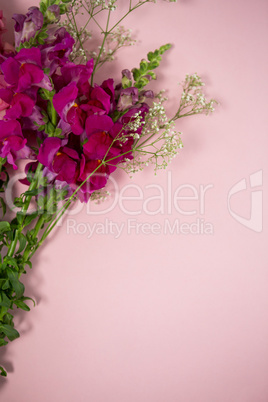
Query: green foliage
3	372
44	4
144	74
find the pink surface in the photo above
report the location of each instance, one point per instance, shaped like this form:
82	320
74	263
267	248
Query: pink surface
152	316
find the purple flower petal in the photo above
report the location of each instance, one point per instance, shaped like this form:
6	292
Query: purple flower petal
76	118
8	128
21	105
63	100
96	123
100	95
65	167
32	55
27	26
11	69
48	150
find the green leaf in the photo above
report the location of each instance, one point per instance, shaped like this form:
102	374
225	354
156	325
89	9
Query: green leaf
43	8
57	132
29	263
22	305
143	66
22	241
3	372
5	301
16	284
3	206
31	192
153	64
3	342
20	217
29	218
9	331
6	284
4	227
3	312
41	41
164	48
11	261
28	298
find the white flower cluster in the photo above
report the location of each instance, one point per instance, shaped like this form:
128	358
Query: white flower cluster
193	100
103	4
158	143
99	196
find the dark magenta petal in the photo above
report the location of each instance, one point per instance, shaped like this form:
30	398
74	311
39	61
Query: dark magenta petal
8	128
98	179
77	73
35	119
32	55
65	127
93	107
70	152
65	167
46	83
64	98
57	49
126	73
35	72
76	118
27	26
6	95
98	145
25	81
48	150
128	97
142	109
100	95
21	105
11	147
108	86
98	123
19	20
11	69
147	94
54	9
117	130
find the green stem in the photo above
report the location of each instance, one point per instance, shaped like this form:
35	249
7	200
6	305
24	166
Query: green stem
54	116
106	33
38	226
24	209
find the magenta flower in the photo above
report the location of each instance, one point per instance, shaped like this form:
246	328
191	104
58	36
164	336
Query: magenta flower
108	140
57	48
142	108
26	26
60	160
5	100
99	102
12	144
96	175
25	71
21	105
79	74
128	97
69	111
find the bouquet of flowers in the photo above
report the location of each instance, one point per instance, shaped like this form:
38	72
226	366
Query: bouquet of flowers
73	132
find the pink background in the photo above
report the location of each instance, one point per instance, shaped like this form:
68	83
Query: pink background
167	317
